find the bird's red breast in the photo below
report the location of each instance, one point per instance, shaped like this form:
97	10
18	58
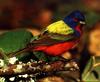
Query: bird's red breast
56	49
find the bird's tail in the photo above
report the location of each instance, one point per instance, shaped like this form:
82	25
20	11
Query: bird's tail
26	49
29	47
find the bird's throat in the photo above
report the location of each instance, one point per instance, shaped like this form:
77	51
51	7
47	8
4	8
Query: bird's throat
79	28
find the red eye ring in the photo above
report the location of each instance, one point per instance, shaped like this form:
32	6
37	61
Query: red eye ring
75	19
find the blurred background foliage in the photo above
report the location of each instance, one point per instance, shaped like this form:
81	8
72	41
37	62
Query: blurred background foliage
27	13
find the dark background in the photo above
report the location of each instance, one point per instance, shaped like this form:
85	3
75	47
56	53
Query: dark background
40	13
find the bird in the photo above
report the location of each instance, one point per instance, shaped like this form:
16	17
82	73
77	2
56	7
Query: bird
59	37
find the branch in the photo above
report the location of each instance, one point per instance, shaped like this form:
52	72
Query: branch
33	68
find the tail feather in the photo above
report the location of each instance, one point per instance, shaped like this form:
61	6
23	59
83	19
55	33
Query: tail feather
26	49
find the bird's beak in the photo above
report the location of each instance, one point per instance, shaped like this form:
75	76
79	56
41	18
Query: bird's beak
82	22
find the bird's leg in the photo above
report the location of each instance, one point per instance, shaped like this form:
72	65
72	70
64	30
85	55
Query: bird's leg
63	59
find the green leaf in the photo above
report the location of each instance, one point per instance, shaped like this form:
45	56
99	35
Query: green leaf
14	40
92	70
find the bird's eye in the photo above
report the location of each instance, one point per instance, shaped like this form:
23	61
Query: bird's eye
75	19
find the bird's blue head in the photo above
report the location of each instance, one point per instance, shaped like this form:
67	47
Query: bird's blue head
74	19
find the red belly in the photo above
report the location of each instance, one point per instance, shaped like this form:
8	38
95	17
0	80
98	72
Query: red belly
57	49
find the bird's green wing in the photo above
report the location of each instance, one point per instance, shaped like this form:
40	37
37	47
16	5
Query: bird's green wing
62	37
60	27
48	39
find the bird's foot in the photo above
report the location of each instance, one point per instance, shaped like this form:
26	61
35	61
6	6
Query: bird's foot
64	60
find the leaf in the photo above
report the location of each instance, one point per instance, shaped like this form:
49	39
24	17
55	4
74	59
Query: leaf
14	40
92	71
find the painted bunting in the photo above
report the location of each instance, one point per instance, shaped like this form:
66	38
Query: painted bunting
59	36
